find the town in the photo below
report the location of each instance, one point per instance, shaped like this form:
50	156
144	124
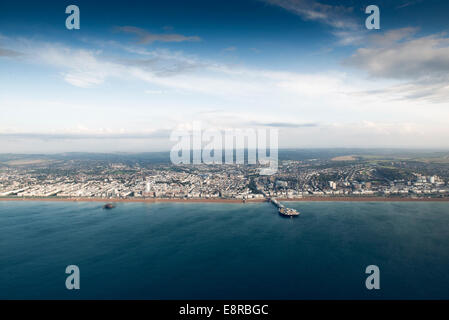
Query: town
135	179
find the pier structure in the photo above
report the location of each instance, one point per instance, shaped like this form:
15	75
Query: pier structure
284	211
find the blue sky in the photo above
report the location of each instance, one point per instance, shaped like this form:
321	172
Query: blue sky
136	70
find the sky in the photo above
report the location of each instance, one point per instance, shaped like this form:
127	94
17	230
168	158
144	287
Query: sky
137	70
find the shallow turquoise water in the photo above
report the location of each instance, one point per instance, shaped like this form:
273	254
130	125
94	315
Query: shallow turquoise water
224	251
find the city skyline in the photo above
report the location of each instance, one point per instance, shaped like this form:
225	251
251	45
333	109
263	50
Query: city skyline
300	175
130	76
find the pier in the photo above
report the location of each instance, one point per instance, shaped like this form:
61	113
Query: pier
284	211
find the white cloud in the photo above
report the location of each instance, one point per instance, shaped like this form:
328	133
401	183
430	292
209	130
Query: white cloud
9	53
421	64
322	109
350	38
146	37
395	55
335	16
79	67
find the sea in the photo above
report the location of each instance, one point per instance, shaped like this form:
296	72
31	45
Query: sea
224	250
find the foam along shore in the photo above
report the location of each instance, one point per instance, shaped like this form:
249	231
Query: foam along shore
223	200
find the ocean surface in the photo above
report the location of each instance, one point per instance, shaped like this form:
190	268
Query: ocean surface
224	251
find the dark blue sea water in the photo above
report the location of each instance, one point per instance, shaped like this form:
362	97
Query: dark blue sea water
215	251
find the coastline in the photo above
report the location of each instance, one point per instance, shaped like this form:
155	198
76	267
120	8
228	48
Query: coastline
364	199
303	199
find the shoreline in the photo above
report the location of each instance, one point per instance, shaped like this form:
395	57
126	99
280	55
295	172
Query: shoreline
303	199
